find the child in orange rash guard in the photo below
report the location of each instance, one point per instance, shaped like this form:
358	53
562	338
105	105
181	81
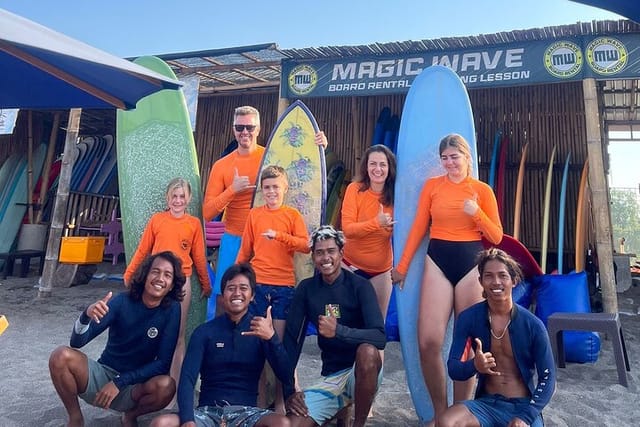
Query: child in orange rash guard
176	231
273	233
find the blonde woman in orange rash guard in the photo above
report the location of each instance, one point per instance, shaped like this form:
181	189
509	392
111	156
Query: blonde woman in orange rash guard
367	222
457	210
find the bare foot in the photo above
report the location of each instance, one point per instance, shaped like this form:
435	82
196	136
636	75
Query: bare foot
129	421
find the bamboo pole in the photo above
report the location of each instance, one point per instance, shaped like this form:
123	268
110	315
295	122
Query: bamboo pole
599	198
46	169
60	206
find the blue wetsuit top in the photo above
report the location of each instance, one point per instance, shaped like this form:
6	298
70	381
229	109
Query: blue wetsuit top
229	364
141	340
352	299
530	346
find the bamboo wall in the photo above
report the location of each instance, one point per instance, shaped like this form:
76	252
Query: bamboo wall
543	115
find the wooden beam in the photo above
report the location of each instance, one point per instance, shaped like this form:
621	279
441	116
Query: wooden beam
60	206
238	87
599	197
231	67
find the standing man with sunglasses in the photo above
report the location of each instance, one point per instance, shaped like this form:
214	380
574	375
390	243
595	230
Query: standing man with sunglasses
231	183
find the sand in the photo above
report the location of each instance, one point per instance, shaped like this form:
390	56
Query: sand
587	395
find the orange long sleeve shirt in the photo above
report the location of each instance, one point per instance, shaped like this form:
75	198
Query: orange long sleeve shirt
219	196
272	259
368	244
183	236
441	207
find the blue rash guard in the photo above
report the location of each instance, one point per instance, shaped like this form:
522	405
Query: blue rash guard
530	346
353	300
141	340
229	364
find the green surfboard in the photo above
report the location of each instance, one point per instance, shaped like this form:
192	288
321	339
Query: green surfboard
154	145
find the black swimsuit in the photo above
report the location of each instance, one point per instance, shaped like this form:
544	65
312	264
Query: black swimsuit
454	259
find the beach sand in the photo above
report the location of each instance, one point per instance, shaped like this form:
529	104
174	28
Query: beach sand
586	395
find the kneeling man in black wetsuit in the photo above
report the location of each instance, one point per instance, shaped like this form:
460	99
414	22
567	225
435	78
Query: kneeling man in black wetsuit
344	308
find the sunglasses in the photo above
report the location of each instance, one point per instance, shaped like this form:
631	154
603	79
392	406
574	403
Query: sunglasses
240	128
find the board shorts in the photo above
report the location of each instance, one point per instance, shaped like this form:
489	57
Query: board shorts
336	391
99	375
497	410
228	416
227	254
454	259
278	297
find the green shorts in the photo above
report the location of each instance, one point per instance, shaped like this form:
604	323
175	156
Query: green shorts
99	376
228	416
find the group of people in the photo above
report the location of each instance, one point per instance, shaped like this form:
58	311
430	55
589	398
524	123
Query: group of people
265	315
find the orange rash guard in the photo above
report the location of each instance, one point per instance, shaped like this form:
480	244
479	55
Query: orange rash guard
441	203
183	236
220	196
368	244
272	259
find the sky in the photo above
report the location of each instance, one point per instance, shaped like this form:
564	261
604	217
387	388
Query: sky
145	27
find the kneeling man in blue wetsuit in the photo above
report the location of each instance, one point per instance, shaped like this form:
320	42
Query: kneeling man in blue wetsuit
510	345
132	374
229	354
344	309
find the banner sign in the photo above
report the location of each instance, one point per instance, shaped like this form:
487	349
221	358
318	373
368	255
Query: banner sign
514	64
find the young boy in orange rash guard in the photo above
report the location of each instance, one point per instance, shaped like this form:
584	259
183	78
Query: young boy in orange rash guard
272	234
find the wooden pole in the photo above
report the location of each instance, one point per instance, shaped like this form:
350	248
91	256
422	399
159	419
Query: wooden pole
60	206
599	197
46	169
283	104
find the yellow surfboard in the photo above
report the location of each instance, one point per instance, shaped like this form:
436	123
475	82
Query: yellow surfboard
582	219
545	214
292	146
518	202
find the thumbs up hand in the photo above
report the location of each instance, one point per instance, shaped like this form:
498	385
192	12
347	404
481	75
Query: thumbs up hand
99	309
327	325
240	183
261	327
484	362
384	219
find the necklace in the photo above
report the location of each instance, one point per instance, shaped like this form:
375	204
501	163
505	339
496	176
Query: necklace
498	337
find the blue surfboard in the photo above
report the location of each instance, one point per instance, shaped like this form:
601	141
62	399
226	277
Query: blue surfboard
380	128
493	166
437	105
561	214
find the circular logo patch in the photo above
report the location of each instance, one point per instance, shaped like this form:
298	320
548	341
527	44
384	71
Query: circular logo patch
563	59
606	55
152	332
303	79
